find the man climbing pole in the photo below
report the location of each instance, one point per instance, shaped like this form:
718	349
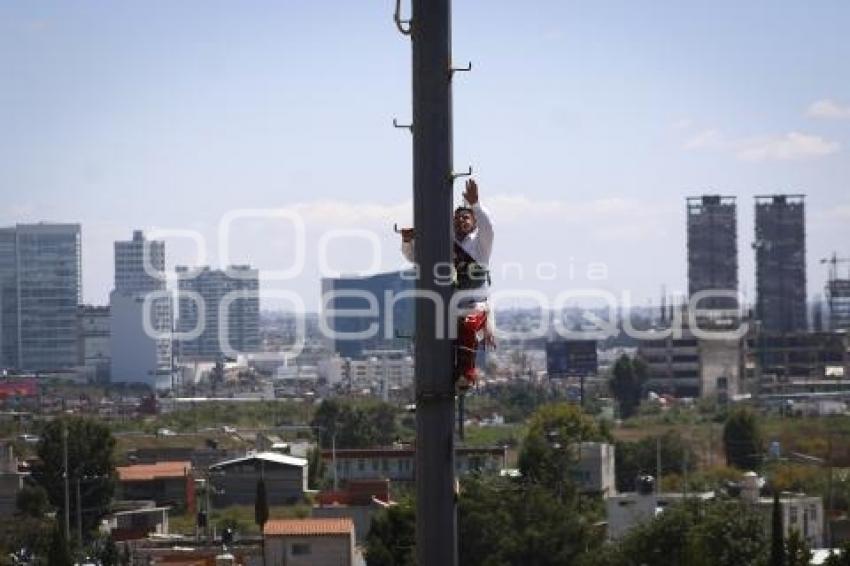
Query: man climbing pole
473	244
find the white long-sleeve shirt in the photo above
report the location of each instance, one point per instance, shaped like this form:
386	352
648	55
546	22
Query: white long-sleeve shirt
478	243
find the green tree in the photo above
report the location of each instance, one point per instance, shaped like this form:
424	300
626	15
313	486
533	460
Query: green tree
91	460
636	458
718	533
261	504
626	384
742	440
23	535
777	544
515	400
392	536
356	424
797	551
315	468
505	522
663	541
729	534
31	501
59	553
549	449
108	552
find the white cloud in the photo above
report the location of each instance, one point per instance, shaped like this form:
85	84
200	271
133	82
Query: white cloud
777	147
707	139
828	108
784	147
347	214
840	213
609	219
682	124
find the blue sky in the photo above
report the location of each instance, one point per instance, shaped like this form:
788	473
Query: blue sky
587	124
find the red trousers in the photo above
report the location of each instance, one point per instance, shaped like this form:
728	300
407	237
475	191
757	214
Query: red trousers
468	327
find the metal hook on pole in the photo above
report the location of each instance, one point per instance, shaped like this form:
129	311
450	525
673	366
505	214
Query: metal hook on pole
467	173
402	126
404	26
466	69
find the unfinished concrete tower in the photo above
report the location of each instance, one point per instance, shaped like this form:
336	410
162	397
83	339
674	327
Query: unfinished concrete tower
780	247
713	249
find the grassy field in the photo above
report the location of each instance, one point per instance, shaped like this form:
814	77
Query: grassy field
195	417
496	435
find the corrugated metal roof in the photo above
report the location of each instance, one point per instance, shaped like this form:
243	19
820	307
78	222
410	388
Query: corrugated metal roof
274	457
148	472
309	527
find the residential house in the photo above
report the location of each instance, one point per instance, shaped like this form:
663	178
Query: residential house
309	542
359	501
235	481
397	463
166	483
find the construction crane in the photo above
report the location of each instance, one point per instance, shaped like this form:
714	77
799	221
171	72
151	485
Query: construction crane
837	294
833	265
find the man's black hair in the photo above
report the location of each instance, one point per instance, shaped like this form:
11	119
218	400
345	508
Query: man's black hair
464	209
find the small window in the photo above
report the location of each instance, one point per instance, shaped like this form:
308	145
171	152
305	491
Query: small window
300	549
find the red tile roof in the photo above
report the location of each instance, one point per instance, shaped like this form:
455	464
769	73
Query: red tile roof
148	472
302	527
359	492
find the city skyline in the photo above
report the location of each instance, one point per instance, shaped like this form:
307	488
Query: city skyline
144	118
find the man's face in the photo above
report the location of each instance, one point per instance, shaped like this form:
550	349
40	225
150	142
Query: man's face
464	222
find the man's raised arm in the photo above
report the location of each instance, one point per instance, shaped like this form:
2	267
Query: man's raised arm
482	219
407	235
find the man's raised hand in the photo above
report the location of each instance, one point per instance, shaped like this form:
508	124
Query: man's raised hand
470	195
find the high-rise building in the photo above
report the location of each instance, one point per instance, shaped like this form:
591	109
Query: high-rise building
93	334
691	366
140	355
780	246
354	329
8	298
838	301
713	249
131	276
40	288
137	356
837	294
239	332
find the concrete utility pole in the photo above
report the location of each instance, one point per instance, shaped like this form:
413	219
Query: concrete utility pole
436	520
79	513
66	478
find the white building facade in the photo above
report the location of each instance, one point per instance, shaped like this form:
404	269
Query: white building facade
141	314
